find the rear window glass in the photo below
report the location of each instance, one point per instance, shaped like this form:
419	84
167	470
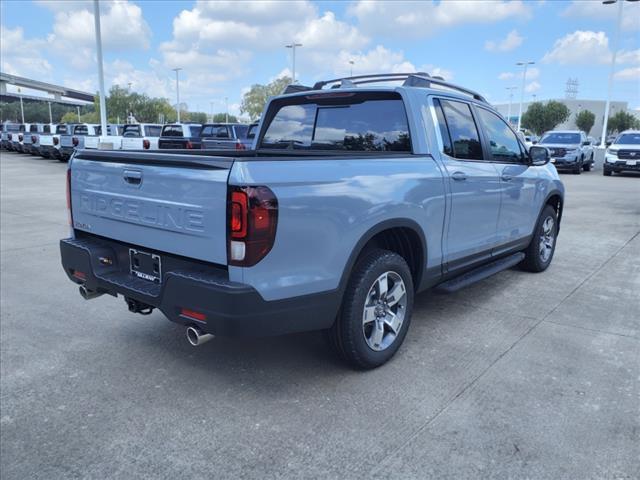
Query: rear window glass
152	130
33	128
172	131
46	129
562	138
628	139
195	130
81	130
241	131
131	131
251	132
354	122
13	128
61	129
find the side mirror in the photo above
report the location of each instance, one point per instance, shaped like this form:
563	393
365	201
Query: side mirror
607	143
534	142
538	156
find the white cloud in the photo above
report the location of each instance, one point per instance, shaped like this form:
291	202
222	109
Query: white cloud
532	87
587	47
532	74
632	73
410	19
579	47
21	56
512	41
598	11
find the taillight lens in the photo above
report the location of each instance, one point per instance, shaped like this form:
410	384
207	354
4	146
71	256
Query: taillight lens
20	137
146	144
56	140
69	197
240	146
253	218
10	136
189	144
75	141
34	139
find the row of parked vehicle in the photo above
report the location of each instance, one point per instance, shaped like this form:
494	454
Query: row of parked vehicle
59	141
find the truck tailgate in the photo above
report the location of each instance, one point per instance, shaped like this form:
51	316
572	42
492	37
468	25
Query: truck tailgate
132	143
91	142
167	203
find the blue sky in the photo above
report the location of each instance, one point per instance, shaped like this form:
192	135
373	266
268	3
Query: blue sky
224	47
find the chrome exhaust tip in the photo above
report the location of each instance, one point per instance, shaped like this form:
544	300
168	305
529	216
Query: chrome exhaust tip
89	294
197	337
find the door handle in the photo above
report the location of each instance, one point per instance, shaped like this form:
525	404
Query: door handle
459	176
132	177
506	178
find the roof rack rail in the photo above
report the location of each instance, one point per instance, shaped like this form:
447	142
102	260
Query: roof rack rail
414	79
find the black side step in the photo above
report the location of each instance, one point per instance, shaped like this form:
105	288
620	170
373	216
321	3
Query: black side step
479	273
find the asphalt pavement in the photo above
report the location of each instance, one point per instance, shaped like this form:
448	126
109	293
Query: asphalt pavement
520	376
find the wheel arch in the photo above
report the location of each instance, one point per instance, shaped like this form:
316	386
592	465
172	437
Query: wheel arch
417	262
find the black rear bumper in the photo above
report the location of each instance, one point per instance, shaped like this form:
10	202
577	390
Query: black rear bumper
231	308
621	166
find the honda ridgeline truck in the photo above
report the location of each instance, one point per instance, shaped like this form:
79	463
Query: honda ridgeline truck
354	199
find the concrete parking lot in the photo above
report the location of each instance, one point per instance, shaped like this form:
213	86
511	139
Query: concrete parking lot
520	376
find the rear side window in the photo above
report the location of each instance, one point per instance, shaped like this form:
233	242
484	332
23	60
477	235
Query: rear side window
251	132
172	131
463	132
502	141
131	131
195	130
152	131
351	122
241	131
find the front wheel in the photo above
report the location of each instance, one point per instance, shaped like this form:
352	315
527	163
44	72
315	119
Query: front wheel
376	310
606	172
539	253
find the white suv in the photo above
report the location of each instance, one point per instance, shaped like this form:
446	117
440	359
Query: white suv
623	154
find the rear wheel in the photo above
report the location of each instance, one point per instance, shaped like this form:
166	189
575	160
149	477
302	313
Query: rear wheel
606	172
376	310
587	166
539	253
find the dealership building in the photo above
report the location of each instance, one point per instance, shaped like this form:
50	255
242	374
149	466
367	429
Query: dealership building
575	106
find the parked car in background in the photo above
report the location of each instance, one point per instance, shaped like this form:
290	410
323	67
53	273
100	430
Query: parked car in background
569	149
47	128
180	136
141	136
74	138
353	201
225	136
50	142
623	154
10	129
112	138
31	136
15	138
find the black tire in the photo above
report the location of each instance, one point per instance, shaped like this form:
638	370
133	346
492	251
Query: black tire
534	260
606	173
578	168
347	335
587	166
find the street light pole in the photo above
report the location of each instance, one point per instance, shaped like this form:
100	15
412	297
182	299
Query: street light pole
605	123
103	101
79	119
524	78
50	116
226	106
511	89
293	46
21	109
177	93
351	62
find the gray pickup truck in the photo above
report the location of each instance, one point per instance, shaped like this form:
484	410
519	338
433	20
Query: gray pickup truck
355	199
569	150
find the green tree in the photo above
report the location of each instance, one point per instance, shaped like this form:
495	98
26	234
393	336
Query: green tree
541	117
255	99
222	117
622	121
585	120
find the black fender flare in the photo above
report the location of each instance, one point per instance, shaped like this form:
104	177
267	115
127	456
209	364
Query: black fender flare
553	193
372	232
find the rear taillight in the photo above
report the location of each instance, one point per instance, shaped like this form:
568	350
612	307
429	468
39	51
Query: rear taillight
146	144
75	141
69	197
252	220
10	136
56	140
240	145
20	137
34	139
189	144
